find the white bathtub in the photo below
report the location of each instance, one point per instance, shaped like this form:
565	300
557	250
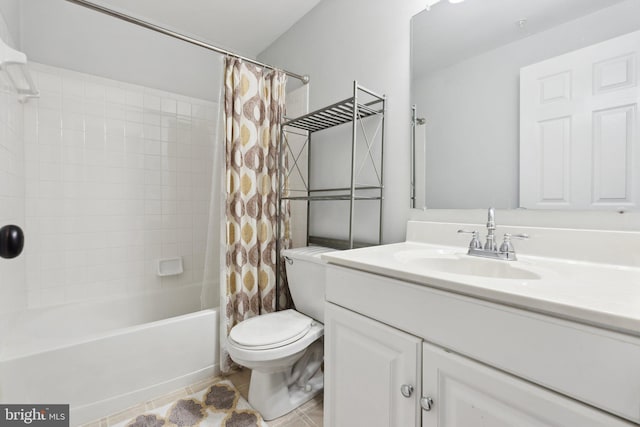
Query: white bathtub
106	356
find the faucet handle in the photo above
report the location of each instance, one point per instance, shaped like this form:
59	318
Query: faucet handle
475	242
506	245
522	236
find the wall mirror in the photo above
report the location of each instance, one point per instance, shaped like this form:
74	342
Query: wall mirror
467	62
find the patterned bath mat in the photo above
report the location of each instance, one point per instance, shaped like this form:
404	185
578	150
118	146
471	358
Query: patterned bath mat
219	405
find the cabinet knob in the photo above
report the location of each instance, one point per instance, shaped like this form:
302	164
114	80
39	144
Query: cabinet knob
406	390
426	403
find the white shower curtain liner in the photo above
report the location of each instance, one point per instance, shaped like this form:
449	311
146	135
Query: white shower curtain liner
213	278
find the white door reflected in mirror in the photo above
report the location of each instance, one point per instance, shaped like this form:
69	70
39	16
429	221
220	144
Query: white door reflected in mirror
578	115
466	62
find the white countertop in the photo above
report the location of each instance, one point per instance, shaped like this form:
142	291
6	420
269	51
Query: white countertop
600	294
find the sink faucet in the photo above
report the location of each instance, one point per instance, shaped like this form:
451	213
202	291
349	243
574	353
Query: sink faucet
490	243
490	248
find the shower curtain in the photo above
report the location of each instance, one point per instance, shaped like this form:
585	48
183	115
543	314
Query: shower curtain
254	106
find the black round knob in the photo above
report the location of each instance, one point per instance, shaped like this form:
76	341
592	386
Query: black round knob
11	241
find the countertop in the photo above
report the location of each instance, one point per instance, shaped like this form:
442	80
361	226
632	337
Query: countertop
600	294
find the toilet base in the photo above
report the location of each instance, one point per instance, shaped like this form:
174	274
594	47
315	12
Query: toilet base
270	395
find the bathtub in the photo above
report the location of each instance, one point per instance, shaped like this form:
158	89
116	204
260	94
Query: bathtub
103	357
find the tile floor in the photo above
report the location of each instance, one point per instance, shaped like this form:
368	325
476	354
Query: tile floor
308	415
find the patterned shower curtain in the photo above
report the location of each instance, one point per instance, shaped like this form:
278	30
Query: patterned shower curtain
254	106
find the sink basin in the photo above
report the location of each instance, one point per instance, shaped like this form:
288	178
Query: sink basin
453	262
470	266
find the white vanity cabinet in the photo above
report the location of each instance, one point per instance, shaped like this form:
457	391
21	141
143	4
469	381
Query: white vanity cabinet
372	372
483	364
467	393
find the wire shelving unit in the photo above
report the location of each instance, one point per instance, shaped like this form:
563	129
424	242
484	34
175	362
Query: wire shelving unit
362	110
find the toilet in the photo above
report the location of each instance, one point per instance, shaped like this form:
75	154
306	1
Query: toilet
284	350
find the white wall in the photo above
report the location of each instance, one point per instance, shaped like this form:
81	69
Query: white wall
117	177
13	295
472	111
369	41
65	35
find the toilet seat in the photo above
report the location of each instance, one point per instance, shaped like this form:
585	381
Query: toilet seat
271	330
294	347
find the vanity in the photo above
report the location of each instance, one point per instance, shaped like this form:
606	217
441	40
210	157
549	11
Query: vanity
421	334
531	110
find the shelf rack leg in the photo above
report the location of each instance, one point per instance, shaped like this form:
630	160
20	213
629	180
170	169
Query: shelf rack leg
354	130
380	225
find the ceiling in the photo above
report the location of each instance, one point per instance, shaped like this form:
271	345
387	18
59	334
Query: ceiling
246	27
449	32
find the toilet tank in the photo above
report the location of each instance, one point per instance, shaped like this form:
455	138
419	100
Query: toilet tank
305	275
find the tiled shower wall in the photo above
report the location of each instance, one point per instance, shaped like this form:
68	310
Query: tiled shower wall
117	177
13	295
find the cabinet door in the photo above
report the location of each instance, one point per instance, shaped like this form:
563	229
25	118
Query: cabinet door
466	393
366	365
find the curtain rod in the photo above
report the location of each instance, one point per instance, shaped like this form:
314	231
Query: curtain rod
162	30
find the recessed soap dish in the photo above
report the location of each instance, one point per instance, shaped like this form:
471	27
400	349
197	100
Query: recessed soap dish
170	266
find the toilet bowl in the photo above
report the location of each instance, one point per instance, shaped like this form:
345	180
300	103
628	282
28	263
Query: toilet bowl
284	350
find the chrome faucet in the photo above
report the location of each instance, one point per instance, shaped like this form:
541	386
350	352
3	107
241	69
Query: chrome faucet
490	249
490	243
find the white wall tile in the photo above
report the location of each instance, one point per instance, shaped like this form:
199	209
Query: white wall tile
72	87
73	104
184	109
152	102
13	292
134	115
94	92
48	82
116	95
49	135
169	105
134	98
114	186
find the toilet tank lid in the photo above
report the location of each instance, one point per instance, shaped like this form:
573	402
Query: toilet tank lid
307	253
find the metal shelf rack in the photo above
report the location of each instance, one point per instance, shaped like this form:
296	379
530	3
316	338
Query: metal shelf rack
363	107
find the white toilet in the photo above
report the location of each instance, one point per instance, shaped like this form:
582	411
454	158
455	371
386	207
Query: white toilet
284	350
